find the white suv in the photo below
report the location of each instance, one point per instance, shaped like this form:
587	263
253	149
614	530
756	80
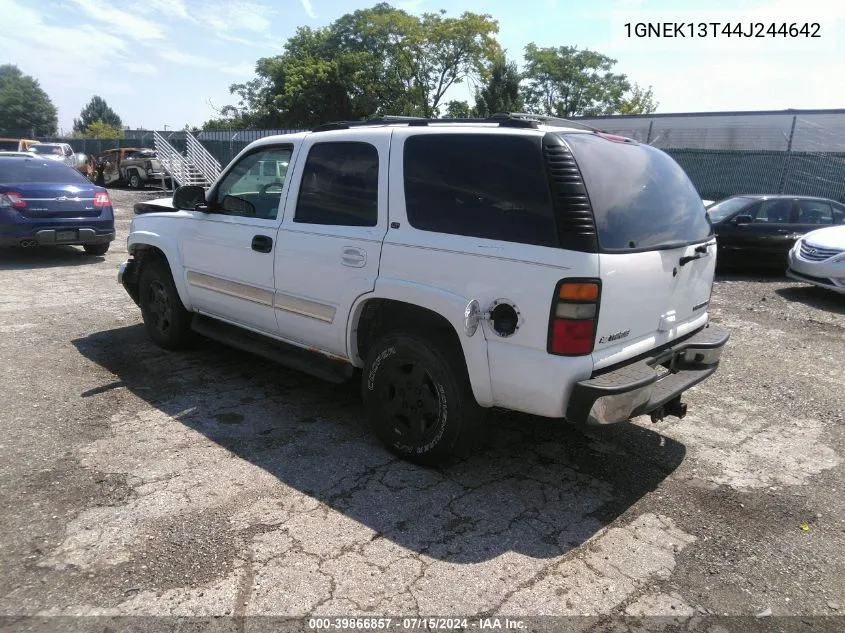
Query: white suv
454	265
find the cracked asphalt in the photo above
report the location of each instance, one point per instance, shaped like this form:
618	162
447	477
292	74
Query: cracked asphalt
134	481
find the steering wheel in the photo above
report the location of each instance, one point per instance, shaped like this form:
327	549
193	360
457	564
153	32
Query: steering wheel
277	183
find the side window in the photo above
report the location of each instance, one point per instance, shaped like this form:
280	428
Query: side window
814	212
339	185
479	185
247	191
775	211
838	214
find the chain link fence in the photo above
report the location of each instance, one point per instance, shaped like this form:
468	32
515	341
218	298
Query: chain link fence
800	153
726	154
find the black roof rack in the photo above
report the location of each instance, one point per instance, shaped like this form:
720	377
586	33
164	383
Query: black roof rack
503	119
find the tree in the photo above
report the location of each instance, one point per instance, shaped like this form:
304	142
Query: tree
639	102
501	92
367	63
458	110
96	110
568	82
101	129
24	105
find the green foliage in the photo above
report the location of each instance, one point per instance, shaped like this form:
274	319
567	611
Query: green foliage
383	60
568	82
458	110
501	92
96	110
640	101
24	105
101	129
370	62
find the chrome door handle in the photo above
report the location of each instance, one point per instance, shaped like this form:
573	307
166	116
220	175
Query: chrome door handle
355	257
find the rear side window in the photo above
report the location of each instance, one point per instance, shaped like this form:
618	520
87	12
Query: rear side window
480	185
641	198
339	185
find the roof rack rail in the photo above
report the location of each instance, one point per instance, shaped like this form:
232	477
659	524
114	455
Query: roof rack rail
544	118
502	121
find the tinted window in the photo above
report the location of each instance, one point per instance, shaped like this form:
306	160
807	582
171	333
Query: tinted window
774	211
641	197
24	170
480	185
726	208
9	146
814	212
339	185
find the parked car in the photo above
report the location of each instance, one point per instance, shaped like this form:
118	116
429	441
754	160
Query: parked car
64	152
818	258
132	166
458	265
760	230
45	203
16	144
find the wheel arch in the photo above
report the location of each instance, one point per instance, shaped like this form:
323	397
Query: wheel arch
152	246
395	304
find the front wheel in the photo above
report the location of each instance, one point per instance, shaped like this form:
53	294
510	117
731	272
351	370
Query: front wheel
167	321
135	180
418	398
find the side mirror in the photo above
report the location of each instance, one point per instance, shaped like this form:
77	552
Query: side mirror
188	197
743	219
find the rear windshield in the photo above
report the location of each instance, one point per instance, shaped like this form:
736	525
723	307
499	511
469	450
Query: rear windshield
641	197
23	170
724	208
46	149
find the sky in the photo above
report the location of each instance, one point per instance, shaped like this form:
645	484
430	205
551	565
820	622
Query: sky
170	62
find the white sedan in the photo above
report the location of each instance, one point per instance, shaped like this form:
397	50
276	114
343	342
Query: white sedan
818	258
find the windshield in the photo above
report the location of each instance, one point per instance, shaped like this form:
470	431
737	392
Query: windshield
641	197
46	149
725	208
22	170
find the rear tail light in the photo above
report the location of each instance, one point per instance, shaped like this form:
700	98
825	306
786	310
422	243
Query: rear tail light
101	199
572	324
12	199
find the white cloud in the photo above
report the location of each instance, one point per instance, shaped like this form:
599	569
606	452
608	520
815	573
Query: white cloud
140	68
196	61
224	17
126	22
309	8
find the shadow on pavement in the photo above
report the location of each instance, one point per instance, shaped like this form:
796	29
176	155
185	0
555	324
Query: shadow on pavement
815	297
538	487
17	258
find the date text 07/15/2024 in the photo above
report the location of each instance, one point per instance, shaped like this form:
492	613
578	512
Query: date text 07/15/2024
414	623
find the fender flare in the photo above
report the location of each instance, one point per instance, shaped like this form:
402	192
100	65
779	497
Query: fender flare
171	253
448	305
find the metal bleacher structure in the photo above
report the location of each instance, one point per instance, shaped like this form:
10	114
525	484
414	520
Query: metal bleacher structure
724	153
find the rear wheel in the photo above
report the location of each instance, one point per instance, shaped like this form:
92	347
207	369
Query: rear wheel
96	249
418	398
167	321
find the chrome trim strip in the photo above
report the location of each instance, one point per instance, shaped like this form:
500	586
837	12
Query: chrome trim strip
230	288
305	307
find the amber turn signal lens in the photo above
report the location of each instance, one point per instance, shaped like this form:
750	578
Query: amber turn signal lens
579	292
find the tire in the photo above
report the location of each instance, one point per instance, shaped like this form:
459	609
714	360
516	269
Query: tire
445	421
166	320
96	249
134	180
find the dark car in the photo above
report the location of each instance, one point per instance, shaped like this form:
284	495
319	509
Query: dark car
759	230
46	203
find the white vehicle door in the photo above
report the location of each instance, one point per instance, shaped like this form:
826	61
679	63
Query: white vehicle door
329	244
228	249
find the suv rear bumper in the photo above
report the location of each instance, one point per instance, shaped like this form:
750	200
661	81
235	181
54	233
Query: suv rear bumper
639	388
